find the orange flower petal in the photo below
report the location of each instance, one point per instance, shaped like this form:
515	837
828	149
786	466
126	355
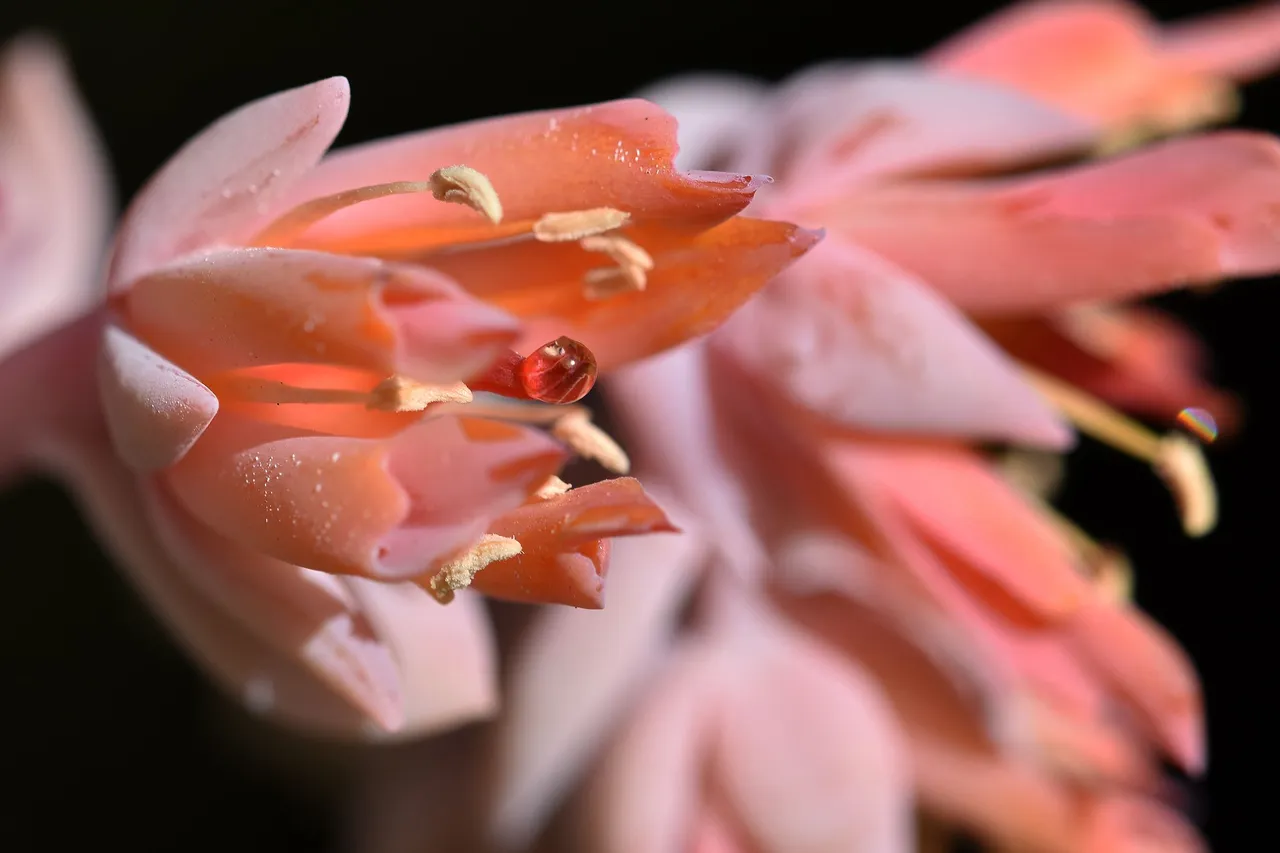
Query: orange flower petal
617	154
695	284
565	540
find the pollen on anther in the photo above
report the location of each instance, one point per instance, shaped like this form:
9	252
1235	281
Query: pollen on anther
464	185
577	224
401	394
458	573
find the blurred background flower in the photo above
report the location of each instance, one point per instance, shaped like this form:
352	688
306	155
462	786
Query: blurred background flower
107	721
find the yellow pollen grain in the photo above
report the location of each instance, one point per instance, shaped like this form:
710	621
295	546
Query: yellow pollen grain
464	185
590	442
401	394
552	488
458	573
578	224
1177	460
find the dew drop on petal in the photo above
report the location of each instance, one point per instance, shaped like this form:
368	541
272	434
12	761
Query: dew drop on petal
1199	423
562	371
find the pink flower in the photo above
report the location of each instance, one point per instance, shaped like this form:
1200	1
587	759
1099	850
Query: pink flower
821	442
280	436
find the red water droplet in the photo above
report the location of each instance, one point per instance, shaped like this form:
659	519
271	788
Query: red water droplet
562	371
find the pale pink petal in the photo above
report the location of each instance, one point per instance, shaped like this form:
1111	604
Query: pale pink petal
1241	43
54	195
664	406
49	388
250	669
715	112
1148	668
300	614
444	653
645	795
617	154
846	123
1187	211
248	307
229	179
575	671
807	752
849	337
390	509
1009	802
155	410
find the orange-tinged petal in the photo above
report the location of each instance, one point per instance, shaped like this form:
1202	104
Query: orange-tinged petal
1146	666
392	508
696	282
565	541
1186	211
1099	59
1135	358
1239	43
229	179
248	307
617	154
1001	547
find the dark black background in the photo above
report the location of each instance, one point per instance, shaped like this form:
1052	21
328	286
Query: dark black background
111	738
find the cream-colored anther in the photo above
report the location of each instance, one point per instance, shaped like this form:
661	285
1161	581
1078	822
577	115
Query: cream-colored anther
578	224
590	442
458	573
464	185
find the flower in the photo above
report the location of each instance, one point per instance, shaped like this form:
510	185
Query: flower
275	420
821	444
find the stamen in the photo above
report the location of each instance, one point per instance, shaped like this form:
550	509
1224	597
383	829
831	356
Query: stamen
401	394
1107	566
394	394
629	274
1177	461
578	224
464	185
552	488
1034	472
458	573
590	442
302	217
1182	466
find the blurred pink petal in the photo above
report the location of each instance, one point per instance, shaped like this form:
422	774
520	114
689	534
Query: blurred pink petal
716	113
843	319
1109	62
1187	211
846	123
1240	43
54	195
1137	358
576	670
229	179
